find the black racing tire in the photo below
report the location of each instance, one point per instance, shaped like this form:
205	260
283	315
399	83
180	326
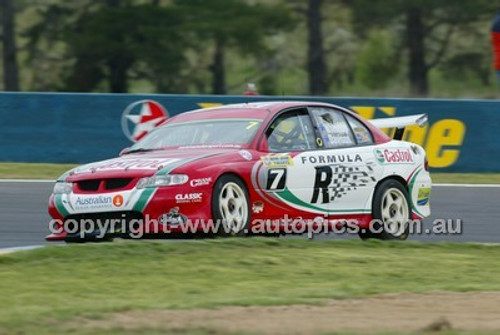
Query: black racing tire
390	200
231	206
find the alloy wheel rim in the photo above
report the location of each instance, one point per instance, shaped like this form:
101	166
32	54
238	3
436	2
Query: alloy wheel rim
395	212
233	207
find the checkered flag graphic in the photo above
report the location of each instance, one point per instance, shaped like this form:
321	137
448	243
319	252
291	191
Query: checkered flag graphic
349	178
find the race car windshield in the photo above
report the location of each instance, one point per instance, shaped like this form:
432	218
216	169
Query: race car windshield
203	132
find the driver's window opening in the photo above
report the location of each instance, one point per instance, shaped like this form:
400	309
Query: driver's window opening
333	128
291	131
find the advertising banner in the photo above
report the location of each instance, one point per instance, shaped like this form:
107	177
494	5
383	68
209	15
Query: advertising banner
80	128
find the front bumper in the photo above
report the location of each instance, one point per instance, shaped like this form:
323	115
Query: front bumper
160	211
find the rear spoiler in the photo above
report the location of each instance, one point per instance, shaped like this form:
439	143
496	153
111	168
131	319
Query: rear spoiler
400	123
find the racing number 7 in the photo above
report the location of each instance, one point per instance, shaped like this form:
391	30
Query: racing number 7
276	179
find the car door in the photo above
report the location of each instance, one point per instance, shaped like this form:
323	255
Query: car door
345	169
285	181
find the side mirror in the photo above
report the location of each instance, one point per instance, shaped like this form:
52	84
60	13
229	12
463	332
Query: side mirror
124	151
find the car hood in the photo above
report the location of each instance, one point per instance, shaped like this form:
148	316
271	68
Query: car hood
141	164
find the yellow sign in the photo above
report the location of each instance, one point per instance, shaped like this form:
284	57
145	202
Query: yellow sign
441	140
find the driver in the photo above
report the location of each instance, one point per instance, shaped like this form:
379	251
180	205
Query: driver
333	132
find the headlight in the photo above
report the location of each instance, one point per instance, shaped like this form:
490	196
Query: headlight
158	181
62	187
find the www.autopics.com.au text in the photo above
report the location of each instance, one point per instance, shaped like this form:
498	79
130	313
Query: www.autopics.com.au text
138	228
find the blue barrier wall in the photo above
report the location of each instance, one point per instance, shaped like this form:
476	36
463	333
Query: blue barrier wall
79	128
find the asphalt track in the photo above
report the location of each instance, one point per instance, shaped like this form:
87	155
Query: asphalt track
24	219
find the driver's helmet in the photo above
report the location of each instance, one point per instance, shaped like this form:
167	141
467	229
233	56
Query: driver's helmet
327	117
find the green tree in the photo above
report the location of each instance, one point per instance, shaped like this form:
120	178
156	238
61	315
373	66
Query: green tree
10	67
427	28
330	43
377	61
222	24
316	64
113	40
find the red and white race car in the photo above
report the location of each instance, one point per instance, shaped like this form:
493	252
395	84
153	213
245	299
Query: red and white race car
238	168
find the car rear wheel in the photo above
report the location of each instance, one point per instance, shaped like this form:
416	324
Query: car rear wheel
230	206
391	208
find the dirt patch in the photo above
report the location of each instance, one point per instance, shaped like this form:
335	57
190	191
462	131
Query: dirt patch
390	312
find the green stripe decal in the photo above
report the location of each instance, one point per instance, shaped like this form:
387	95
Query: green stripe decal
172	166
146	195
412	182
60	206
175	165
290	197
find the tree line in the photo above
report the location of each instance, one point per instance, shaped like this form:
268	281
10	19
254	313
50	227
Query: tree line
194	46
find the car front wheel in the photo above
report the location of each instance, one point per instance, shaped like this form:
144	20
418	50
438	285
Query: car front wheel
230	206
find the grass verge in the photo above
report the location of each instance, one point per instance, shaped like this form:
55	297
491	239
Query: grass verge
33	170
466	178
42	289
53	171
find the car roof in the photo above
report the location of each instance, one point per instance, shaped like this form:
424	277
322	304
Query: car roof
262	111
255	110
